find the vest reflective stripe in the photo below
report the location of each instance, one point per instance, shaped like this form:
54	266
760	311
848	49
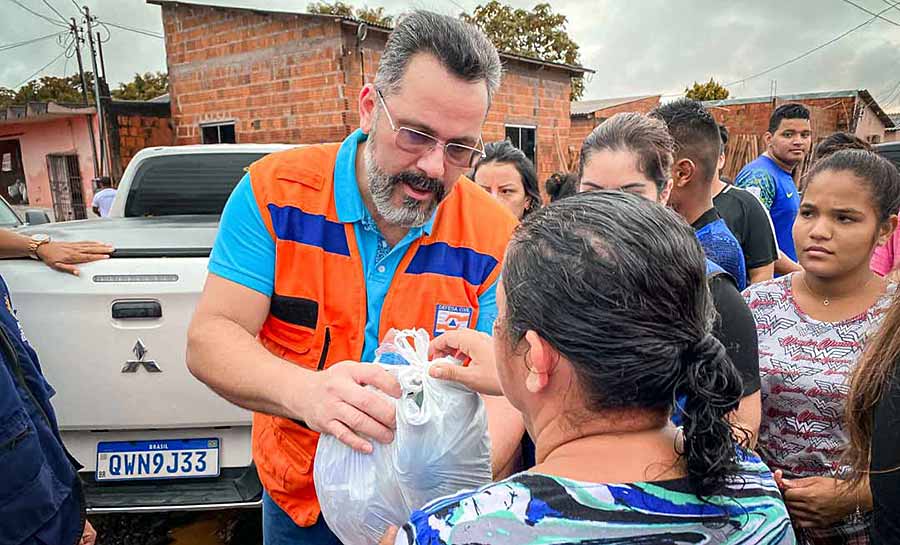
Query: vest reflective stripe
293	224
318	308
441	258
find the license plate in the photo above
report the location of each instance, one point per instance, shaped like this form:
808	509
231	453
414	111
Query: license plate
162	459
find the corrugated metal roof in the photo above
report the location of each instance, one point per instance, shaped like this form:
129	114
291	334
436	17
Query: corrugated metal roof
786	98
587	107
352	20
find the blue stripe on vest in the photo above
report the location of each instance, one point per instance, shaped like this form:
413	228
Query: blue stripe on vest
291	223
441	258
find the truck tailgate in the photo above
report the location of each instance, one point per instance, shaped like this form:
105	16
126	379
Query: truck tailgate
112	341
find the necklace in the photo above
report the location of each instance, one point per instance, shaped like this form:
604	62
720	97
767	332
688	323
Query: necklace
826	300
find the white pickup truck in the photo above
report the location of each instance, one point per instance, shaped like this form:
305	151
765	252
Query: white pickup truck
112	341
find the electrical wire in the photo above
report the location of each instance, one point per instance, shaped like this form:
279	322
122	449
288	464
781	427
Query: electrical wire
104	26
7	47
811	51
56	11
878	15
39	70
36	14
137	30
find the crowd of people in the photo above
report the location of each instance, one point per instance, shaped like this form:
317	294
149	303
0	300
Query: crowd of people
666	356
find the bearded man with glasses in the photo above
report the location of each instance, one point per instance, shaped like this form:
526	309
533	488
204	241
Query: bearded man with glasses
323	249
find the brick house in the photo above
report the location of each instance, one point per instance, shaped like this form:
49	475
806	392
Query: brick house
747	119
587	114
49	152
893	134
851	111
252	75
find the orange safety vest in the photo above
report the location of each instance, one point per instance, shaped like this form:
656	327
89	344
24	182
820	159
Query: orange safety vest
318	307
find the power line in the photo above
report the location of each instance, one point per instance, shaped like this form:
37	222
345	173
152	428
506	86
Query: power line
888	2
878	15
54	10
41	69
36	14
137	30
811	51
7	47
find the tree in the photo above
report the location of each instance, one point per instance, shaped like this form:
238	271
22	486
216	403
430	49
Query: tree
335	8
538	32
375	16
143	87
711	90
48	89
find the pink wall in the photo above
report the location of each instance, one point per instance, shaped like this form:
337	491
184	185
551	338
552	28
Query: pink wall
56	136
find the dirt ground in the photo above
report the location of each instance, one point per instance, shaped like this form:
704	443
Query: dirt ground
232	527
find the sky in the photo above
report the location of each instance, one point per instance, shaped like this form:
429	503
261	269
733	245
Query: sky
636	47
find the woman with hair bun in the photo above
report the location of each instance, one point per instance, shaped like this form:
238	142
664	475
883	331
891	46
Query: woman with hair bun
594	352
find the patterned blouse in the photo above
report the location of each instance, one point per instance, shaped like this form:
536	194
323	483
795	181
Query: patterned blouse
804	365
532	508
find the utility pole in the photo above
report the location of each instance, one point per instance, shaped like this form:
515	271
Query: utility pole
104	167
100	51
84	95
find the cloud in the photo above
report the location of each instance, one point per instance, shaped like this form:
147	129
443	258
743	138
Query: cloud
650	46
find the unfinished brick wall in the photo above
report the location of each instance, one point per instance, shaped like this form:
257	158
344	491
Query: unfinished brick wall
296	79
827	115
583	125
537	98
138	132
278	77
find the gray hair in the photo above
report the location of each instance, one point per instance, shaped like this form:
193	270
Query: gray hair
460	47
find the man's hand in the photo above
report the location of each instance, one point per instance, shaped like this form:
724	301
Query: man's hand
339	404
480	374
816	502
63	256
89	535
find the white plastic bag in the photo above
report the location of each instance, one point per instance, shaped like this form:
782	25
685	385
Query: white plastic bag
440	447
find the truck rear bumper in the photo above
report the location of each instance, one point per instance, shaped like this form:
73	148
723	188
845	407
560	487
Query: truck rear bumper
236	487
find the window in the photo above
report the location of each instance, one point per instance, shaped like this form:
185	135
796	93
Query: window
193	183
218	133
523	138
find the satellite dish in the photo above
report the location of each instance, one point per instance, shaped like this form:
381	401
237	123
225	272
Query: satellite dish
361	32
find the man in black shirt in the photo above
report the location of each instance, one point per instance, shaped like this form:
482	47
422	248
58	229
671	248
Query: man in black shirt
748	221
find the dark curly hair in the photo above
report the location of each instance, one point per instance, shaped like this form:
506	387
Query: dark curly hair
617	285
560	185
838	141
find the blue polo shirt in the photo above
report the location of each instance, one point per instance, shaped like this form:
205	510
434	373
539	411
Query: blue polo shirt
777	191
244	251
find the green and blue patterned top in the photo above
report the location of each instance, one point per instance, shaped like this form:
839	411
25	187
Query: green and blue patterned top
537	509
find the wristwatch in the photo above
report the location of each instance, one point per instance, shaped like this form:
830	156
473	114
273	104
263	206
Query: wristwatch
36	242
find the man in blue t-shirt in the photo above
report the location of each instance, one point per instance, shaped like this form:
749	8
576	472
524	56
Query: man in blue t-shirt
770	176
698	144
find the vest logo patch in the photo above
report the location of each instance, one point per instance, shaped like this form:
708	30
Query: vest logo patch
449	318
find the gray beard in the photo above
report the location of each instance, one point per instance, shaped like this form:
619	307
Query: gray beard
410	213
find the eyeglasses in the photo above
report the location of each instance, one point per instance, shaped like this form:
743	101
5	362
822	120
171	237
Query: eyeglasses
419	143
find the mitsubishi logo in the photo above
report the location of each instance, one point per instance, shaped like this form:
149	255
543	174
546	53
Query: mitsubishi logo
140	351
